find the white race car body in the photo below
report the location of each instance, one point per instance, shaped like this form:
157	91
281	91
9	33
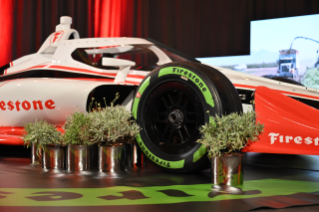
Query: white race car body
51	84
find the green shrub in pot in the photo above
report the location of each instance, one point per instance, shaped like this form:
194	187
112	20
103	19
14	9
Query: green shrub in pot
225	137
110	127
40	133
113	128
77	130
80	151
112	124
230	134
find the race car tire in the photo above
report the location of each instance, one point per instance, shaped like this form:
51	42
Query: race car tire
172	102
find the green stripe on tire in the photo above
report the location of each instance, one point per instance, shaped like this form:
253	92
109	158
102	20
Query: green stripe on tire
199	153
137	100
189	75
164	163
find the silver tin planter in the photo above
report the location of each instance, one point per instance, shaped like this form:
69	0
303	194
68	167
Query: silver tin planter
115	158
80	157
53	157
140	159
227	170
35	158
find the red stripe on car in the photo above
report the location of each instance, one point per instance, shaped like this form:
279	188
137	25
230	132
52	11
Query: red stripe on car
113	75
283	92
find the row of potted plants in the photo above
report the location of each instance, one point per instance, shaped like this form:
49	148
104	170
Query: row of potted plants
88	142
113	131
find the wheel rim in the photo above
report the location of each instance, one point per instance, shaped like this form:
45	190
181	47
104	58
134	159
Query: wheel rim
173	117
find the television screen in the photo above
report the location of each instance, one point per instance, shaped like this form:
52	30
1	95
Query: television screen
285	47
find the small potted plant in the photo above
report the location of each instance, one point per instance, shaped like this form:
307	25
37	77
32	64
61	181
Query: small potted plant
44	136
80	153
225	137
115	131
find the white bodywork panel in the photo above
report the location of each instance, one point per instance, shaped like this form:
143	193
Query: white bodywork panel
67	97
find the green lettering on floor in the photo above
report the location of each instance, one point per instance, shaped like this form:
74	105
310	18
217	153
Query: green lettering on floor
100	196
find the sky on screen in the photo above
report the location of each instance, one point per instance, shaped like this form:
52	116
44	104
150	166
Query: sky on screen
270	36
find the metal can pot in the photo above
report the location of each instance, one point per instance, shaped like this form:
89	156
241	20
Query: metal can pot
227	169
80	157
115	158
53	157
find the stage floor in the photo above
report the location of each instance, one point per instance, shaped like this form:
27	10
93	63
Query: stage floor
270	182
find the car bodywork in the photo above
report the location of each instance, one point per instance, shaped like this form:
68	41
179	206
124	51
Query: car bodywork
52	84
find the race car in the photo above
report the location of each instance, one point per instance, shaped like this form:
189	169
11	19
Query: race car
169	94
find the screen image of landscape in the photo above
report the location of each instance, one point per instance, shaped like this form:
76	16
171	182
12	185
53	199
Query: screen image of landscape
284	47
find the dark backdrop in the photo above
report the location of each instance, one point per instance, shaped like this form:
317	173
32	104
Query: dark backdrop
199	28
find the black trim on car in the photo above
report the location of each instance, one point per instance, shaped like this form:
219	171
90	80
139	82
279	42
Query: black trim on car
49	74
3	68
247	96
312	103
105	94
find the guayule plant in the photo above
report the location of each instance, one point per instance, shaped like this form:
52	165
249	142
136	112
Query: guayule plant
230	134
41	133
77	130
112	124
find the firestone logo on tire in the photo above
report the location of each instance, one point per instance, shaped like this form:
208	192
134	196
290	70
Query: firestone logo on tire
192	77
26	105
276	137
